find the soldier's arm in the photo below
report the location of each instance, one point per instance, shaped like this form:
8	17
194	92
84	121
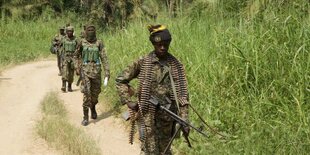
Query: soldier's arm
122	80
184	112
104	59
53	46
60	45
184	104
78	51
77	56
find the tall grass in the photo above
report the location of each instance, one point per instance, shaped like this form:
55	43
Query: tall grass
248	78
56	130
23	40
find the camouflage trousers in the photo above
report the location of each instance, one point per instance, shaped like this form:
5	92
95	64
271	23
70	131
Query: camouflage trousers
68	70
158	133
91	88
59	59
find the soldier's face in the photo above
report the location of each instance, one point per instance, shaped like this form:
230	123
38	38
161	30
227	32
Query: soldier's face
62	31
91	32
161	48
70	33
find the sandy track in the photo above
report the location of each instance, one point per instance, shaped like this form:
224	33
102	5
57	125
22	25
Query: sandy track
106	130
21	90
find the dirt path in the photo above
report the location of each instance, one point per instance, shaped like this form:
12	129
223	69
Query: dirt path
107	130
21	90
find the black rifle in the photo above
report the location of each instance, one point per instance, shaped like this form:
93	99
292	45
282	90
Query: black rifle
155	101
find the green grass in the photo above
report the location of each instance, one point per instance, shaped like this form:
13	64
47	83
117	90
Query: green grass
249	78
22	41
58	132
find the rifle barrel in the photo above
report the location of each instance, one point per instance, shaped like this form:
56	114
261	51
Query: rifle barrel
181	121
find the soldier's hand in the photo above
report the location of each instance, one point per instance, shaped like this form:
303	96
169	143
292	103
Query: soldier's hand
186	130
108	76
132	105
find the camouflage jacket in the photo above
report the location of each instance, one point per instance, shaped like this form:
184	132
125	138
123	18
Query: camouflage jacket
160	86
92	69
56	41
67	54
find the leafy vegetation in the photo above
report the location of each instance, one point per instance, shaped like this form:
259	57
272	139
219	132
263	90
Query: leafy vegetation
247	63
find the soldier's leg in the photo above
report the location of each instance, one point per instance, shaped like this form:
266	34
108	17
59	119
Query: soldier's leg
86	100
70	75
95	91
164	136
59	63
150	145
64	75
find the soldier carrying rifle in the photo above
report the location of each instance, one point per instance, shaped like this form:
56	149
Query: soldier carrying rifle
55	47
162	76
91	52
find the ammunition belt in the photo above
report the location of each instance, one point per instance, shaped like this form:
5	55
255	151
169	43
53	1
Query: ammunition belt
144	89
132	126
145	79
178	75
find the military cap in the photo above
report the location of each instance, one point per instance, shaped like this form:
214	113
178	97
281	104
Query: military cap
159	33
70	28
90	25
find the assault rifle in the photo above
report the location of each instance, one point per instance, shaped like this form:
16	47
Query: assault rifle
155	101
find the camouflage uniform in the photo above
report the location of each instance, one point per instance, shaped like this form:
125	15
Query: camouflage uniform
69	46
160	127
91	54
55	48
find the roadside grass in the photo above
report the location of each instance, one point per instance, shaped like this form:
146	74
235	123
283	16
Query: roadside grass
55	128
26	40
248	78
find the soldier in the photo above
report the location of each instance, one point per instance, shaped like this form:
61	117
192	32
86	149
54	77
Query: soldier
92	53
161	76
69	45
55	48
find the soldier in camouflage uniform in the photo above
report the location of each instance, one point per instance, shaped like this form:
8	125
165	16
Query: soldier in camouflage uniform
55	48
69	45
154	72
92	54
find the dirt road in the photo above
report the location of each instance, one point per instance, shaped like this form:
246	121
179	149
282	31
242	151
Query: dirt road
21	90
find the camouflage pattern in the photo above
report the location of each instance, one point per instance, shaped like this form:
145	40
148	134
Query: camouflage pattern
91	71
160	128
69	46
56	41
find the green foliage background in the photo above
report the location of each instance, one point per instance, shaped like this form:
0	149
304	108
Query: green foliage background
247	63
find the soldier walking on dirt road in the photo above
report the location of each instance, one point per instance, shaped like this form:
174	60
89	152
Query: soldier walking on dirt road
91	53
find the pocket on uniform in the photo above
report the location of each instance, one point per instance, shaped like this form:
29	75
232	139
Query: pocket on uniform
97	69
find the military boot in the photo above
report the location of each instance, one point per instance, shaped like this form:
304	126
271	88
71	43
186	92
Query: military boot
85	118
70	87
63	88
93	112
